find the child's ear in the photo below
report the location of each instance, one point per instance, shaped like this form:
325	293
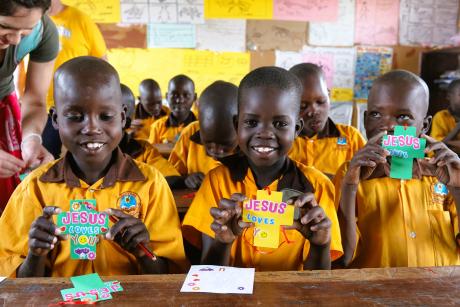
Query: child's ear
235	122
427	124
123	115
299	126
53	115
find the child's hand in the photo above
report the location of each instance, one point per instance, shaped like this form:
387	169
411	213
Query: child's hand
313	224
194	180
43	234
366	160
445	163
136	125
9	164
227	223
128	232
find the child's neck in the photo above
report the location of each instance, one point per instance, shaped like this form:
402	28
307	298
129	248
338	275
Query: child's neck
91	173
265	175
181	118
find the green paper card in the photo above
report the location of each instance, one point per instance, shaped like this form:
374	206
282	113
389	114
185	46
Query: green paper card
404	146
90	288
83	223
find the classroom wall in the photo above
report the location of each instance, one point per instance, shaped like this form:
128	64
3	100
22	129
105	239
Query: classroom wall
354	40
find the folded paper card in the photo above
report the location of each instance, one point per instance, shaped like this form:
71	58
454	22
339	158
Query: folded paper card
90	288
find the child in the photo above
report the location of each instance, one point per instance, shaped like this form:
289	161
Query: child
268	121
90	119
181	95
322	143
141	150
446	123
389	222
213	137
149	109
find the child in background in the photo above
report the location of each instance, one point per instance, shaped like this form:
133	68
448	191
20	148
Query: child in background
389	222
268	121
181	95
90	120
446	123
141	150
149	109
322	143
213	137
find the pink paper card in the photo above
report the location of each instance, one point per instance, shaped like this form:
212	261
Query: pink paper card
306	10
326	61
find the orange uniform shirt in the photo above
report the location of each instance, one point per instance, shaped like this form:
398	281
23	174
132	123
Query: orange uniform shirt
403	223
293	249
147	120
443	123
188	155
56	184
329	149
167	129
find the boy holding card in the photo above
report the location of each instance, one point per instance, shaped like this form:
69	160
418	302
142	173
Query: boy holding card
141	150
387	221
202	143
322	143
268	121
90	119
149	109
181	95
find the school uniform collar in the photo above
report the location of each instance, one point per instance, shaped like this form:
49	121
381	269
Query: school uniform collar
122	168
330	130
141	113
196	138
173	122
291	176
421	168
130	146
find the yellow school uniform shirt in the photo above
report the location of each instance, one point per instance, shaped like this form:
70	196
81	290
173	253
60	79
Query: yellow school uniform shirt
188	155
144	152
329	149
403	223
56	184
78	36
443	123
168	129
147	120
293	249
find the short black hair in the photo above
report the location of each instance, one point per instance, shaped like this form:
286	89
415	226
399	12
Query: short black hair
181	78
9	7
453	85
271	76
218	103
304	70
149	85
128	99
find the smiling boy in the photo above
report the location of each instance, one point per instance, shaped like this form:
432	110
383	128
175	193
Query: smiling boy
90	119
268	121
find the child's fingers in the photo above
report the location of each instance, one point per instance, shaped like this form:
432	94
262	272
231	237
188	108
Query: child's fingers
227	204
429	139
238	197
45	225
324	224
118	213
315	214
200	176
35	244
49	211
140	237
218	228
221	216
377	139
42	236
132	231
242	224
435	147
307	198
440	156
119	227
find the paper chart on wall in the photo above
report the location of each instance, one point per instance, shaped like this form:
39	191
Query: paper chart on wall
377	22
101	11
341	113
221	35
240	9
276	35
336	33
171	36
427	22
301	10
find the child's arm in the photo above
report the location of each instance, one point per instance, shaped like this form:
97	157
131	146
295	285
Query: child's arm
43	237
452	134
361	167
129	232
227	226
194	180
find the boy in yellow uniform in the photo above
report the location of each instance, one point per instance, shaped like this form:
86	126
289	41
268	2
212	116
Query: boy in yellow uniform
388	222
202	143
90	118
268	121
149	109
322	143
181	95
141	150
446	123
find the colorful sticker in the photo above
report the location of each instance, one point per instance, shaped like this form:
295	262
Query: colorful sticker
90	288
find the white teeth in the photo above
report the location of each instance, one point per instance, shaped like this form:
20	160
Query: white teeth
264	149
94	145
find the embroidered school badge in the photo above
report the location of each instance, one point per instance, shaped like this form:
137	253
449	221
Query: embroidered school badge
130	203
440	192
341	141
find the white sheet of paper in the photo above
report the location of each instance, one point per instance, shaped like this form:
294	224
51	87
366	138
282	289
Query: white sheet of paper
2	278
222	35
341	112
219	279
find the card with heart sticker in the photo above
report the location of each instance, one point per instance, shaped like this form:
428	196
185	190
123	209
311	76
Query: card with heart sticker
83	223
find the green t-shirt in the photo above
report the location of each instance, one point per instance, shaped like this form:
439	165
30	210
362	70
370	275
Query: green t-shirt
42	45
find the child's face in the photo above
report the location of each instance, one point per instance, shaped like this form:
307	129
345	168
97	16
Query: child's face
219	143
392	105
314	107
454	100
267	125
181	95
151	101
90	125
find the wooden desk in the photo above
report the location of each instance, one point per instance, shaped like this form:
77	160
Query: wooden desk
183	199
165	149
397	286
